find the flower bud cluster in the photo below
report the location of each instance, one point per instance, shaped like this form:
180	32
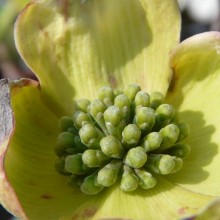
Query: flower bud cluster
128	136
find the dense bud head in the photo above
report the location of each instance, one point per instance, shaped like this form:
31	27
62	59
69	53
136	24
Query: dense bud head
130	135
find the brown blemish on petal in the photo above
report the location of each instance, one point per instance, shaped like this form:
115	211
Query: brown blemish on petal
31	183
18	84
89	212
116	219
64	8
75	217
46	196
182	211
112	81
173	81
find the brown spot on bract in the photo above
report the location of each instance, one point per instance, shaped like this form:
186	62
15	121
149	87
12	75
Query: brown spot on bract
32	183
89	212
116	219
182	211
64	8
75	217
173	82
112	80
46	196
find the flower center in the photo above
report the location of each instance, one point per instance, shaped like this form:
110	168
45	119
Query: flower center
128	136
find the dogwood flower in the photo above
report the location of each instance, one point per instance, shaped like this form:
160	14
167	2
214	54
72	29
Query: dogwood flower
76	47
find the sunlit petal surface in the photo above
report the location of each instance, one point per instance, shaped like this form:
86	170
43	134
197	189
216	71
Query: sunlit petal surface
195	91
75	47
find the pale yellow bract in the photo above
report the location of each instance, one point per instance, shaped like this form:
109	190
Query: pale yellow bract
75	47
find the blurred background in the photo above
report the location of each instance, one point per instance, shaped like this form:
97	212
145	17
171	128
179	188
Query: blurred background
197	16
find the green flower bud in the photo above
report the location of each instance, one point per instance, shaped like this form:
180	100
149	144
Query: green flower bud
117	92
142	99
77	147
114	121
90	136
178	164
160	163
74	164
166	112
79	143
129	181
170	135
82	104
80	118
64	140
96	109
152	141
107	95
145	119
113	115
59	166
156	99
73	130
164	115
90	186
112	147
131	135
107	176
184	130
94	158
179	150
123	103
132	90
65	122
146	180
136	157
96	106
